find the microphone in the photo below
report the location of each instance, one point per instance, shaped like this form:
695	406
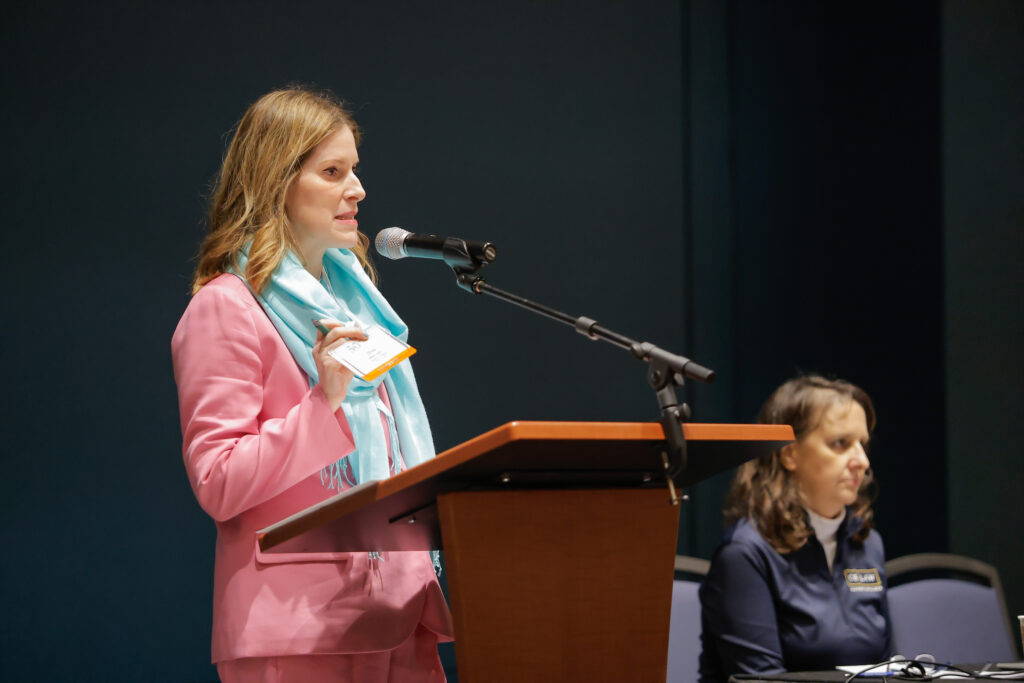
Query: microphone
396	243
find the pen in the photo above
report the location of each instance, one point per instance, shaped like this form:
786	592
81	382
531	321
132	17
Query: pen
323	328
320	326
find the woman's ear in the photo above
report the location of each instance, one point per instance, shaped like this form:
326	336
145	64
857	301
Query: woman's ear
787	456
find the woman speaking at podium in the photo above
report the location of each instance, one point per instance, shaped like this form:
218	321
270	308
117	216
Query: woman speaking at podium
798	583
272	423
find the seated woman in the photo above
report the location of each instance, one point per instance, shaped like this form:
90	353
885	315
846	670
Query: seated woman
798	583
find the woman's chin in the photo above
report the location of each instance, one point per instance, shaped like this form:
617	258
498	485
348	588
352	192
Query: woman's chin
346	241
848	499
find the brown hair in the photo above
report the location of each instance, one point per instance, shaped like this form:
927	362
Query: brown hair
270	143
764	491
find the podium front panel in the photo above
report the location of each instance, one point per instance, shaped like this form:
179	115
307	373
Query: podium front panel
560	585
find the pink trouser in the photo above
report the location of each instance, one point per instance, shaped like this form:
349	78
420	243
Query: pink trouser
414	661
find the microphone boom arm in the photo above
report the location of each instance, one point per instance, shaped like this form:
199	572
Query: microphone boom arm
666	371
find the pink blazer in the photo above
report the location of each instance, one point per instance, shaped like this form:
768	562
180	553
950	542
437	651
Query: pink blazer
255	438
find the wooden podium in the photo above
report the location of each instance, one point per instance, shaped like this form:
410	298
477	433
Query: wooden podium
559	539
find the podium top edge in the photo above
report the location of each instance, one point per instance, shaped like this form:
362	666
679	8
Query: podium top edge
639	431
523	432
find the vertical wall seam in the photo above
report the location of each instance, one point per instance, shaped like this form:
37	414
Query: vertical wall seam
732	196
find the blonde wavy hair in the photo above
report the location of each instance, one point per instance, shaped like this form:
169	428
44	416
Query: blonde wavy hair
765	491
270	143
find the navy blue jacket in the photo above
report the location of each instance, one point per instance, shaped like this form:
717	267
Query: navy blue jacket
764	612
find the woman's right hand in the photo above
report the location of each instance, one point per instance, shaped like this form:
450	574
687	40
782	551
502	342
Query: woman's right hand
334	376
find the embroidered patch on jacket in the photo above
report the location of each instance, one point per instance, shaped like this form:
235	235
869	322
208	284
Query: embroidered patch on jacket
863	579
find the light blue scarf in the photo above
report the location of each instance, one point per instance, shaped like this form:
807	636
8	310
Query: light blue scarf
292	298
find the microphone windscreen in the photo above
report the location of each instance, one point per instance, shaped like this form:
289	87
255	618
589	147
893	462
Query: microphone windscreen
390	243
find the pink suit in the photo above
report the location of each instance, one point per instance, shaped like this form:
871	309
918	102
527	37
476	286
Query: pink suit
255	438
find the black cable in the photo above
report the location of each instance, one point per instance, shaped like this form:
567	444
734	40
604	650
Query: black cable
916	671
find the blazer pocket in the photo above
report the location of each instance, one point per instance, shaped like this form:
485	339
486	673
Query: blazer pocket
298	557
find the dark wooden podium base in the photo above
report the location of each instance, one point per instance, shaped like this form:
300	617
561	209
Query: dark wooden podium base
560	585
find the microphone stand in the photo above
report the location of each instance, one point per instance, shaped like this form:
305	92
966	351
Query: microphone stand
666	371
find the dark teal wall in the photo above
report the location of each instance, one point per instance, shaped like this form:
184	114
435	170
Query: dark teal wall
876	152
550	128
856	208
983	141
756	185
817	231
